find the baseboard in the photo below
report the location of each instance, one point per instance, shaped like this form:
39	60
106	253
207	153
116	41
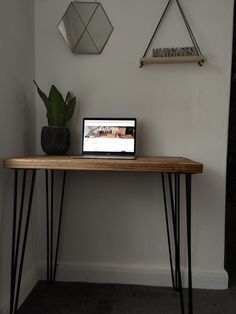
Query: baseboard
125	274
27	284
136	274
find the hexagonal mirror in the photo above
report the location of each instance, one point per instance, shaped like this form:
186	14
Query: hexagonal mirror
85	27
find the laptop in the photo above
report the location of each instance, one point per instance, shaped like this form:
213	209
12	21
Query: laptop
109	138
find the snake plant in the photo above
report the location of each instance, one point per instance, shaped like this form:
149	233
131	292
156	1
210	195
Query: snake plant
59	110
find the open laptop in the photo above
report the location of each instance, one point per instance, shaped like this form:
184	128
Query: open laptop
109	138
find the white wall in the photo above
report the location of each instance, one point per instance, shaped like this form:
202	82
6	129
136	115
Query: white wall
17	122
114	223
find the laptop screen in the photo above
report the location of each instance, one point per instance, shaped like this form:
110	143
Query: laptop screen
109	136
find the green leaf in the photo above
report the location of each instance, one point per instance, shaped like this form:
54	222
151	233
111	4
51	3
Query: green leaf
49	117
70	107
42	95
57	107
55	95
68	97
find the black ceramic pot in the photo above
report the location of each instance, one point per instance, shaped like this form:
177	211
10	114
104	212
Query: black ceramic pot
55	140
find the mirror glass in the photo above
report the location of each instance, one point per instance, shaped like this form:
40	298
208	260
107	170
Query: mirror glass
85	27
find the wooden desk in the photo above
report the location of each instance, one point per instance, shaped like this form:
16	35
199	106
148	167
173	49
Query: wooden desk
170	168
140	164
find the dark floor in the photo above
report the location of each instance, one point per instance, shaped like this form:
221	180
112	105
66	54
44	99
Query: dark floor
85	298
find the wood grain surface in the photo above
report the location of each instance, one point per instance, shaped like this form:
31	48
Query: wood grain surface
180	59
140	164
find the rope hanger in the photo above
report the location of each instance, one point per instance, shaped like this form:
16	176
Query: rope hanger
195	44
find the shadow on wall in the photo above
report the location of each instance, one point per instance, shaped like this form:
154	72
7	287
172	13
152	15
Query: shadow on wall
28	121
6	196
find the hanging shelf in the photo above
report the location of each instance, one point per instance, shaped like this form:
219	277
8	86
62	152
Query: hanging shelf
196	58
179	59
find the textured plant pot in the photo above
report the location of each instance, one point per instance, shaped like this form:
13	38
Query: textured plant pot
55	140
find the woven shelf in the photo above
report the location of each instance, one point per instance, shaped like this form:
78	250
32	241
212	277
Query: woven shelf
182	59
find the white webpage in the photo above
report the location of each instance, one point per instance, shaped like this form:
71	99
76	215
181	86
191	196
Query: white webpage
109	136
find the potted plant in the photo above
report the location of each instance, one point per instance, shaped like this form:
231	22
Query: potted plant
55	138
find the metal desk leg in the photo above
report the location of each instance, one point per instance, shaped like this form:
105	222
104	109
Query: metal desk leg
188	217
174	204
20	221
168	228
51	255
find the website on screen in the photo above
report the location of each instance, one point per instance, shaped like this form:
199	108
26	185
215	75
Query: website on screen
109	136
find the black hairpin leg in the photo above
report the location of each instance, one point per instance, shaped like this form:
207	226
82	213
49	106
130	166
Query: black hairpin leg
177	234
51	256
20	221
188	218
174	219
174	204
168	230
